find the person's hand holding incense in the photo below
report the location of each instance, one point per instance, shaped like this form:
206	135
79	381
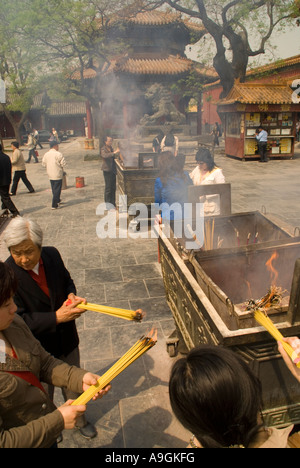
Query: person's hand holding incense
70	413
69	310
295	344
92	379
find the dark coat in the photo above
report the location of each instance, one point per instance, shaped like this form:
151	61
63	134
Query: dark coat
5	169
38	310
108	159
28	418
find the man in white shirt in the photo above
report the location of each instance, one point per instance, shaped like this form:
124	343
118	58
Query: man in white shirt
262	141
54	162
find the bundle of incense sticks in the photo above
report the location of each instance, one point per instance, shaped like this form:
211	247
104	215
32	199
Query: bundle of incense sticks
266	322
193	235
209	227
138	349
115	312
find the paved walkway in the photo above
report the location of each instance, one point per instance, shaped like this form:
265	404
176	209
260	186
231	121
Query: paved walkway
125	273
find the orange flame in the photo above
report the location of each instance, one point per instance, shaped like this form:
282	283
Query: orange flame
272	270
152	335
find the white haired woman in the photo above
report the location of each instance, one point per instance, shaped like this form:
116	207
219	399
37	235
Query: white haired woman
42	297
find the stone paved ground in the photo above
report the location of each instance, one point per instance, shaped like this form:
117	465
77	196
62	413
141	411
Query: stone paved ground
125	273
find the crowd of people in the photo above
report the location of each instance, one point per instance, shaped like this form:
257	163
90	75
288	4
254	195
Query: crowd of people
213	392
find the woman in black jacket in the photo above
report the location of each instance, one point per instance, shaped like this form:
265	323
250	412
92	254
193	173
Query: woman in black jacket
44	289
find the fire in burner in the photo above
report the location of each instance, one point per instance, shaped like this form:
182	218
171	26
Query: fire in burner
273	297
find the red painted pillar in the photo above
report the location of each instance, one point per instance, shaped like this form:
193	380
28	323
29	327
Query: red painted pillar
89	119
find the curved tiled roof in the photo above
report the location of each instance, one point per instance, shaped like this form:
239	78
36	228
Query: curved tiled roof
67	108
276	65
171	65
88	74
159	18
257	93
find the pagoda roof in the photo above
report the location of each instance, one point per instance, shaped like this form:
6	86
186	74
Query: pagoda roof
170	65
258	93
150	64
159	18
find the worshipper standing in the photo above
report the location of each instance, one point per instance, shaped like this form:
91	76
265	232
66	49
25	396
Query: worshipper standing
262	141
215	395
28	417
170	142
109	172
44	287
31	143
19	168
54	162
216	132
171	187
156	143
5	181
207	173
37	137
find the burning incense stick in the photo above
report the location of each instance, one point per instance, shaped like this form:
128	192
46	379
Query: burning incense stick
265	321
193	235
137	350
220	242
238	237
113	311
209	234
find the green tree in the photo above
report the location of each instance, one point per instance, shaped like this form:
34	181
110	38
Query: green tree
19	67
240	29
71	38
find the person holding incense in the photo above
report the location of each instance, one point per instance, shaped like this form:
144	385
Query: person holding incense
292	366
28	417
108	155
207	173
215	395
171	187
44	288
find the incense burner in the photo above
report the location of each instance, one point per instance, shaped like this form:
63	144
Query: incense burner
208	293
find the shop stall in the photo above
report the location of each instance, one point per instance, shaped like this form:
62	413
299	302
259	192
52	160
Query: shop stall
250	105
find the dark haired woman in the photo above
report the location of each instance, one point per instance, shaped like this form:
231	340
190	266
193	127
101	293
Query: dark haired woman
170	143
28	417
207	173
215	396
156	143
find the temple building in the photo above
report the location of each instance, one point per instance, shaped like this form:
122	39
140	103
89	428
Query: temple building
138	86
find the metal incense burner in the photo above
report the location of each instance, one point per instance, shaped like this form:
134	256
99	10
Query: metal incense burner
207	292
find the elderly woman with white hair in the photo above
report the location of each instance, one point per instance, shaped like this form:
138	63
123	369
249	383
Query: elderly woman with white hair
46	297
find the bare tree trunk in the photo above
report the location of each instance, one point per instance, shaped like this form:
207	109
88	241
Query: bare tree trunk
17	126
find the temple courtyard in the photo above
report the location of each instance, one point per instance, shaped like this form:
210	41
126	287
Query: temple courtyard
124	272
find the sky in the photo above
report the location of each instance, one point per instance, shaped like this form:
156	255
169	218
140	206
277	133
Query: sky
288	44
282	45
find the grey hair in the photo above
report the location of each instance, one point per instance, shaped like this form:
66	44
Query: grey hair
21	229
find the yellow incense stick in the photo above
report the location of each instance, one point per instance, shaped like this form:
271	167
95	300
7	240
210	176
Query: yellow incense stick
139	348
114	311
266	322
